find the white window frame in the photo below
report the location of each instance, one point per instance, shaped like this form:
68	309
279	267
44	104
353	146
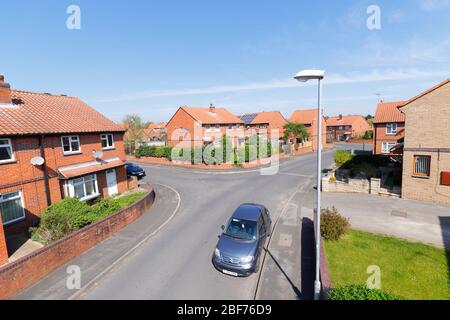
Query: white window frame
390	128
70	144
104	137
23	217
70	187
217	127
386	146
207	128
9	145
228	127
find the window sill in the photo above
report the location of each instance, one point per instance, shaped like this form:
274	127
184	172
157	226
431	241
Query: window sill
7	161
109	148
71	153
90	197
420	177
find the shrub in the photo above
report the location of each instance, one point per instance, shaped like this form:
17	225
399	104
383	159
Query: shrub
332	225
341	157
360	292
61	219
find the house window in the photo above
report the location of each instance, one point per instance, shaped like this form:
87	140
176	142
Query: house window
230	127
6	151
238	126
387	146
71	144
207	127
422	166
217	127
391	128
83	188
107	141
11	207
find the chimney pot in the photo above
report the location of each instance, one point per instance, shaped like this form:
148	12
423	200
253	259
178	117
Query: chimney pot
212	108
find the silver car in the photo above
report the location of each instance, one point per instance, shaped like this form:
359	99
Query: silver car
240	247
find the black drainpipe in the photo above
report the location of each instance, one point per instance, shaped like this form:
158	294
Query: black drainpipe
44	170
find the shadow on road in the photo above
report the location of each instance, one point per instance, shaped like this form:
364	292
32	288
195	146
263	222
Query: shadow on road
308	264
445	229
294	287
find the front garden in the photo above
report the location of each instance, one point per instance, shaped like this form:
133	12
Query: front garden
409	271
253	149
69	215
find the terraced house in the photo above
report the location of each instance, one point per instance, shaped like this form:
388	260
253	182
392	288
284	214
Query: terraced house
52	147
268	123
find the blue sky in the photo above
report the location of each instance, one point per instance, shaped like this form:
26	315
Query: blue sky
149	57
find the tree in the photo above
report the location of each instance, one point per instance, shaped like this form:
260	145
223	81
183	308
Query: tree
135	131
295	131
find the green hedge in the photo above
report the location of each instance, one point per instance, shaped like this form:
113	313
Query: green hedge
360	292
224	153
69	215
341	157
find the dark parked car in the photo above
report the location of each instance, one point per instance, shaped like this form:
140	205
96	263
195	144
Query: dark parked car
240	247
134	170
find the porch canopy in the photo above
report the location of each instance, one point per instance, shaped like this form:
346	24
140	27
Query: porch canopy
70	172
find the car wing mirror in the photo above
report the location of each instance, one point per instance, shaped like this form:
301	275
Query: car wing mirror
222	227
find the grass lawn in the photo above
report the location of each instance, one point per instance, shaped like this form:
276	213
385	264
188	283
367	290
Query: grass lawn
412	270
126	200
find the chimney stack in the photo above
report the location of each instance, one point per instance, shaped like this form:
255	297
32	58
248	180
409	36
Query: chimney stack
212	108
340	117
5	91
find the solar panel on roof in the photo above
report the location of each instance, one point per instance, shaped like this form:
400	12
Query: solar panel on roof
248	118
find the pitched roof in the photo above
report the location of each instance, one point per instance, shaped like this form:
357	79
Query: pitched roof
304	116
344	121
389	112
267	117
426	92
160	125
42	113
219	116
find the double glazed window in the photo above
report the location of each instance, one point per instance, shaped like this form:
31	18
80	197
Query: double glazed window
83	188
387	146
71	144
217	127
11	207
230	127
391	128
107	141
6	151
422	166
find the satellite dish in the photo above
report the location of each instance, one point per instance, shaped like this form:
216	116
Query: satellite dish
97	154
37	161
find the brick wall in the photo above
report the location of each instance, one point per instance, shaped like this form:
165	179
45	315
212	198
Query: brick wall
427	132
22	176
182	119
19	275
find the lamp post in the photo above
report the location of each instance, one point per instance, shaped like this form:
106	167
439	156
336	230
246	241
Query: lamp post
304	76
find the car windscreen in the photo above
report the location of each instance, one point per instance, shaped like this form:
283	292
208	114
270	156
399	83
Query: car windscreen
241	229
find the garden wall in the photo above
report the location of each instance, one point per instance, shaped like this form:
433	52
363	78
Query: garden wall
19	275
366	186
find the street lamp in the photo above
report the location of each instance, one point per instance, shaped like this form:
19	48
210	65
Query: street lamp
304	76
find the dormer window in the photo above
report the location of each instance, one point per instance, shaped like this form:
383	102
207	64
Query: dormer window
6	151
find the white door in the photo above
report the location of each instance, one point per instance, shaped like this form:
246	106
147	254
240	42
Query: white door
111	181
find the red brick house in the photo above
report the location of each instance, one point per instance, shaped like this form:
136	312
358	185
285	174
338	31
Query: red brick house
343	128
155	132
264	123
388	128
309	119
195	127
52	147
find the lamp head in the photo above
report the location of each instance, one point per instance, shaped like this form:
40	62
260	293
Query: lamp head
307	75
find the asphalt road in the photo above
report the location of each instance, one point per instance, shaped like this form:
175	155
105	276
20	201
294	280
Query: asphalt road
176	263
